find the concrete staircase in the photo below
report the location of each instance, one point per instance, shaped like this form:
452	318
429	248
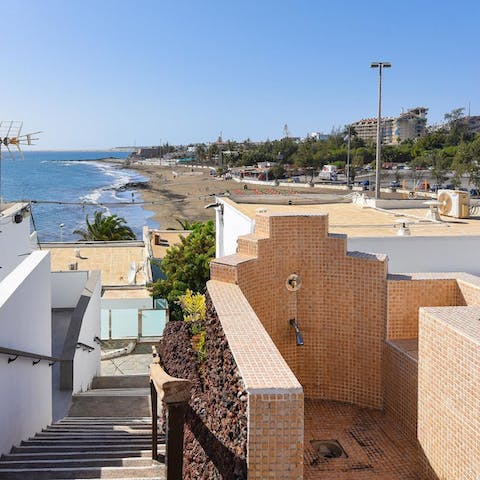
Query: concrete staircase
108	435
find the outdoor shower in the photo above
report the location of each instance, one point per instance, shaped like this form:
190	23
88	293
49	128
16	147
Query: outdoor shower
298	334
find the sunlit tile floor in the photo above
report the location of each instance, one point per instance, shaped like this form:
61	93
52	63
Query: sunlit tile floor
375	449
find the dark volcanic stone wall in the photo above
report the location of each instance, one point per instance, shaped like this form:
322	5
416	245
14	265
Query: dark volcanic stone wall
216	420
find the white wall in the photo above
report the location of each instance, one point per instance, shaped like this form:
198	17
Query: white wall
25	324
14	239
424	254
86	364
405	254
229	226
67	288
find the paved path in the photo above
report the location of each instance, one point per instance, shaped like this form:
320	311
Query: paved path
138	362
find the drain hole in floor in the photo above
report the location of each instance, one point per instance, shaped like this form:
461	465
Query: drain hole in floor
328	449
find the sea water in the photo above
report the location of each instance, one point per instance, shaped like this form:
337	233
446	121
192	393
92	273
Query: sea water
82	178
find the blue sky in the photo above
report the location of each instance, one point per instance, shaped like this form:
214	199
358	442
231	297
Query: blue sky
103	73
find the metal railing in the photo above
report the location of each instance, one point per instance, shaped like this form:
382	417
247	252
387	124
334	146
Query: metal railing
13	354
174	394
37	358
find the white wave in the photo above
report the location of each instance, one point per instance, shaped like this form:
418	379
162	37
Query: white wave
92	197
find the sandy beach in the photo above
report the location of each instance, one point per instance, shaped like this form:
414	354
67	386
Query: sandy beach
183	192
181	195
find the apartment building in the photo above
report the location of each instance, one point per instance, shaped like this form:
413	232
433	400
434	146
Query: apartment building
408	125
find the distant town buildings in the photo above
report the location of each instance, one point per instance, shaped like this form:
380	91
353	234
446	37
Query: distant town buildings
408	125
318	136
473	123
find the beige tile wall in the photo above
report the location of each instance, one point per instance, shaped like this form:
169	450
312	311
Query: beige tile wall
407	293
340	307
448	391
275	413
401	392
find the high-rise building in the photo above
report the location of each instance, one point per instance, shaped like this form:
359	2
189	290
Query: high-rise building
408	125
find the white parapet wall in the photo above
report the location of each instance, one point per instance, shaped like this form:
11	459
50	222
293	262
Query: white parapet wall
25	324
86	363
67	288
424	254
15	242
230	224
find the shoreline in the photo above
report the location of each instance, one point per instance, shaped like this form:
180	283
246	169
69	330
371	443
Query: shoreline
182	196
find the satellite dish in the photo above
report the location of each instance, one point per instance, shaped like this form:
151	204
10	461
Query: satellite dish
132	273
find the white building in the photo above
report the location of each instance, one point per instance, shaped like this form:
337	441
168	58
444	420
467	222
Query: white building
43	319
428	246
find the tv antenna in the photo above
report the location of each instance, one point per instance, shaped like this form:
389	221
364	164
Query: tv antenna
11	135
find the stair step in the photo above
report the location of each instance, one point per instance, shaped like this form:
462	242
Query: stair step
111	403
82	447
98	431
84	441
108	419
121	381
98	428
102	436
50	456
77	462
83	472
114	392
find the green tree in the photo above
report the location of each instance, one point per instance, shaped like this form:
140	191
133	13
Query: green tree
186	267
439	165
201	152
467	161
105	227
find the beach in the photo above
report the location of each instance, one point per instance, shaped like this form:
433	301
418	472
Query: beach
182	193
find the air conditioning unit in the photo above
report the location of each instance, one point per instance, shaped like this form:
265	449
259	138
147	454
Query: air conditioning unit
454	203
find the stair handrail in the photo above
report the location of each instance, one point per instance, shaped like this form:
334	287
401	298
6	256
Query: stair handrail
175	395
84	346
37	357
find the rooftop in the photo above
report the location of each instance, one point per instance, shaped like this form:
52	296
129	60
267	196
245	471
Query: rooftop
354	221
114	260
161	240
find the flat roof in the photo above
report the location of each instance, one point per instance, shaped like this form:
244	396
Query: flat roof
167	238
356	221
8	208
114	261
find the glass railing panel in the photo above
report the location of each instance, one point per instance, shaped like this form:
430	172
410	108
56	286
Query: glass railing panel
104	325
153	322
125	323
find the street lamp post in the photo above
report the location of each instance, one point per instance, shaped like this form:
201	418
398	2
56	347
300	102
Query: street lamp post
348	156
380	66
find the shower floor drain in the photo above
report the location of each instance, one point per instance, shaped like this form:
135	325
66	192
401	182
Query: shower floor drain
328	449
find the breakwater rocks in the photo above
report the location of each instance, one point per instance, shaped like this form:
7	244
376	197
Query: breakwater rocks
132	186
216	420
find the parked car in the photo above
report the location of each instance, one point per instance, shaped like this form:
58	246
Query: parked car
395	184
474	192
449	186
363	183
436	187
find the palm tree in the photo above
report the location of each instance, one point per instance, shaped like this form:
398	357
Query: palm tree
109	227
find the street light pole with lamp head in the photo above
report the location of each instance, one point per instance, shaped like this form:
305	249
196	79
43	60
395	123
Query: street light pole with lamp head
380	66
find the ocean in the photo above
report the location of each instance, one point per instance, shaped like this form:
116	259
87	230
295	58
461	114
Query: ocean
78	177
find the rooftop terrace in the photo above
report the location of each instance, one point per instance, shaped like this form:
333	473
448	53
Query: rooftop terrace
354	221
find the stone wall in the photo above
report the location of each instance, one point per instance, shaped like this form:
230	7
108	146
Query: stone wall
216	426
